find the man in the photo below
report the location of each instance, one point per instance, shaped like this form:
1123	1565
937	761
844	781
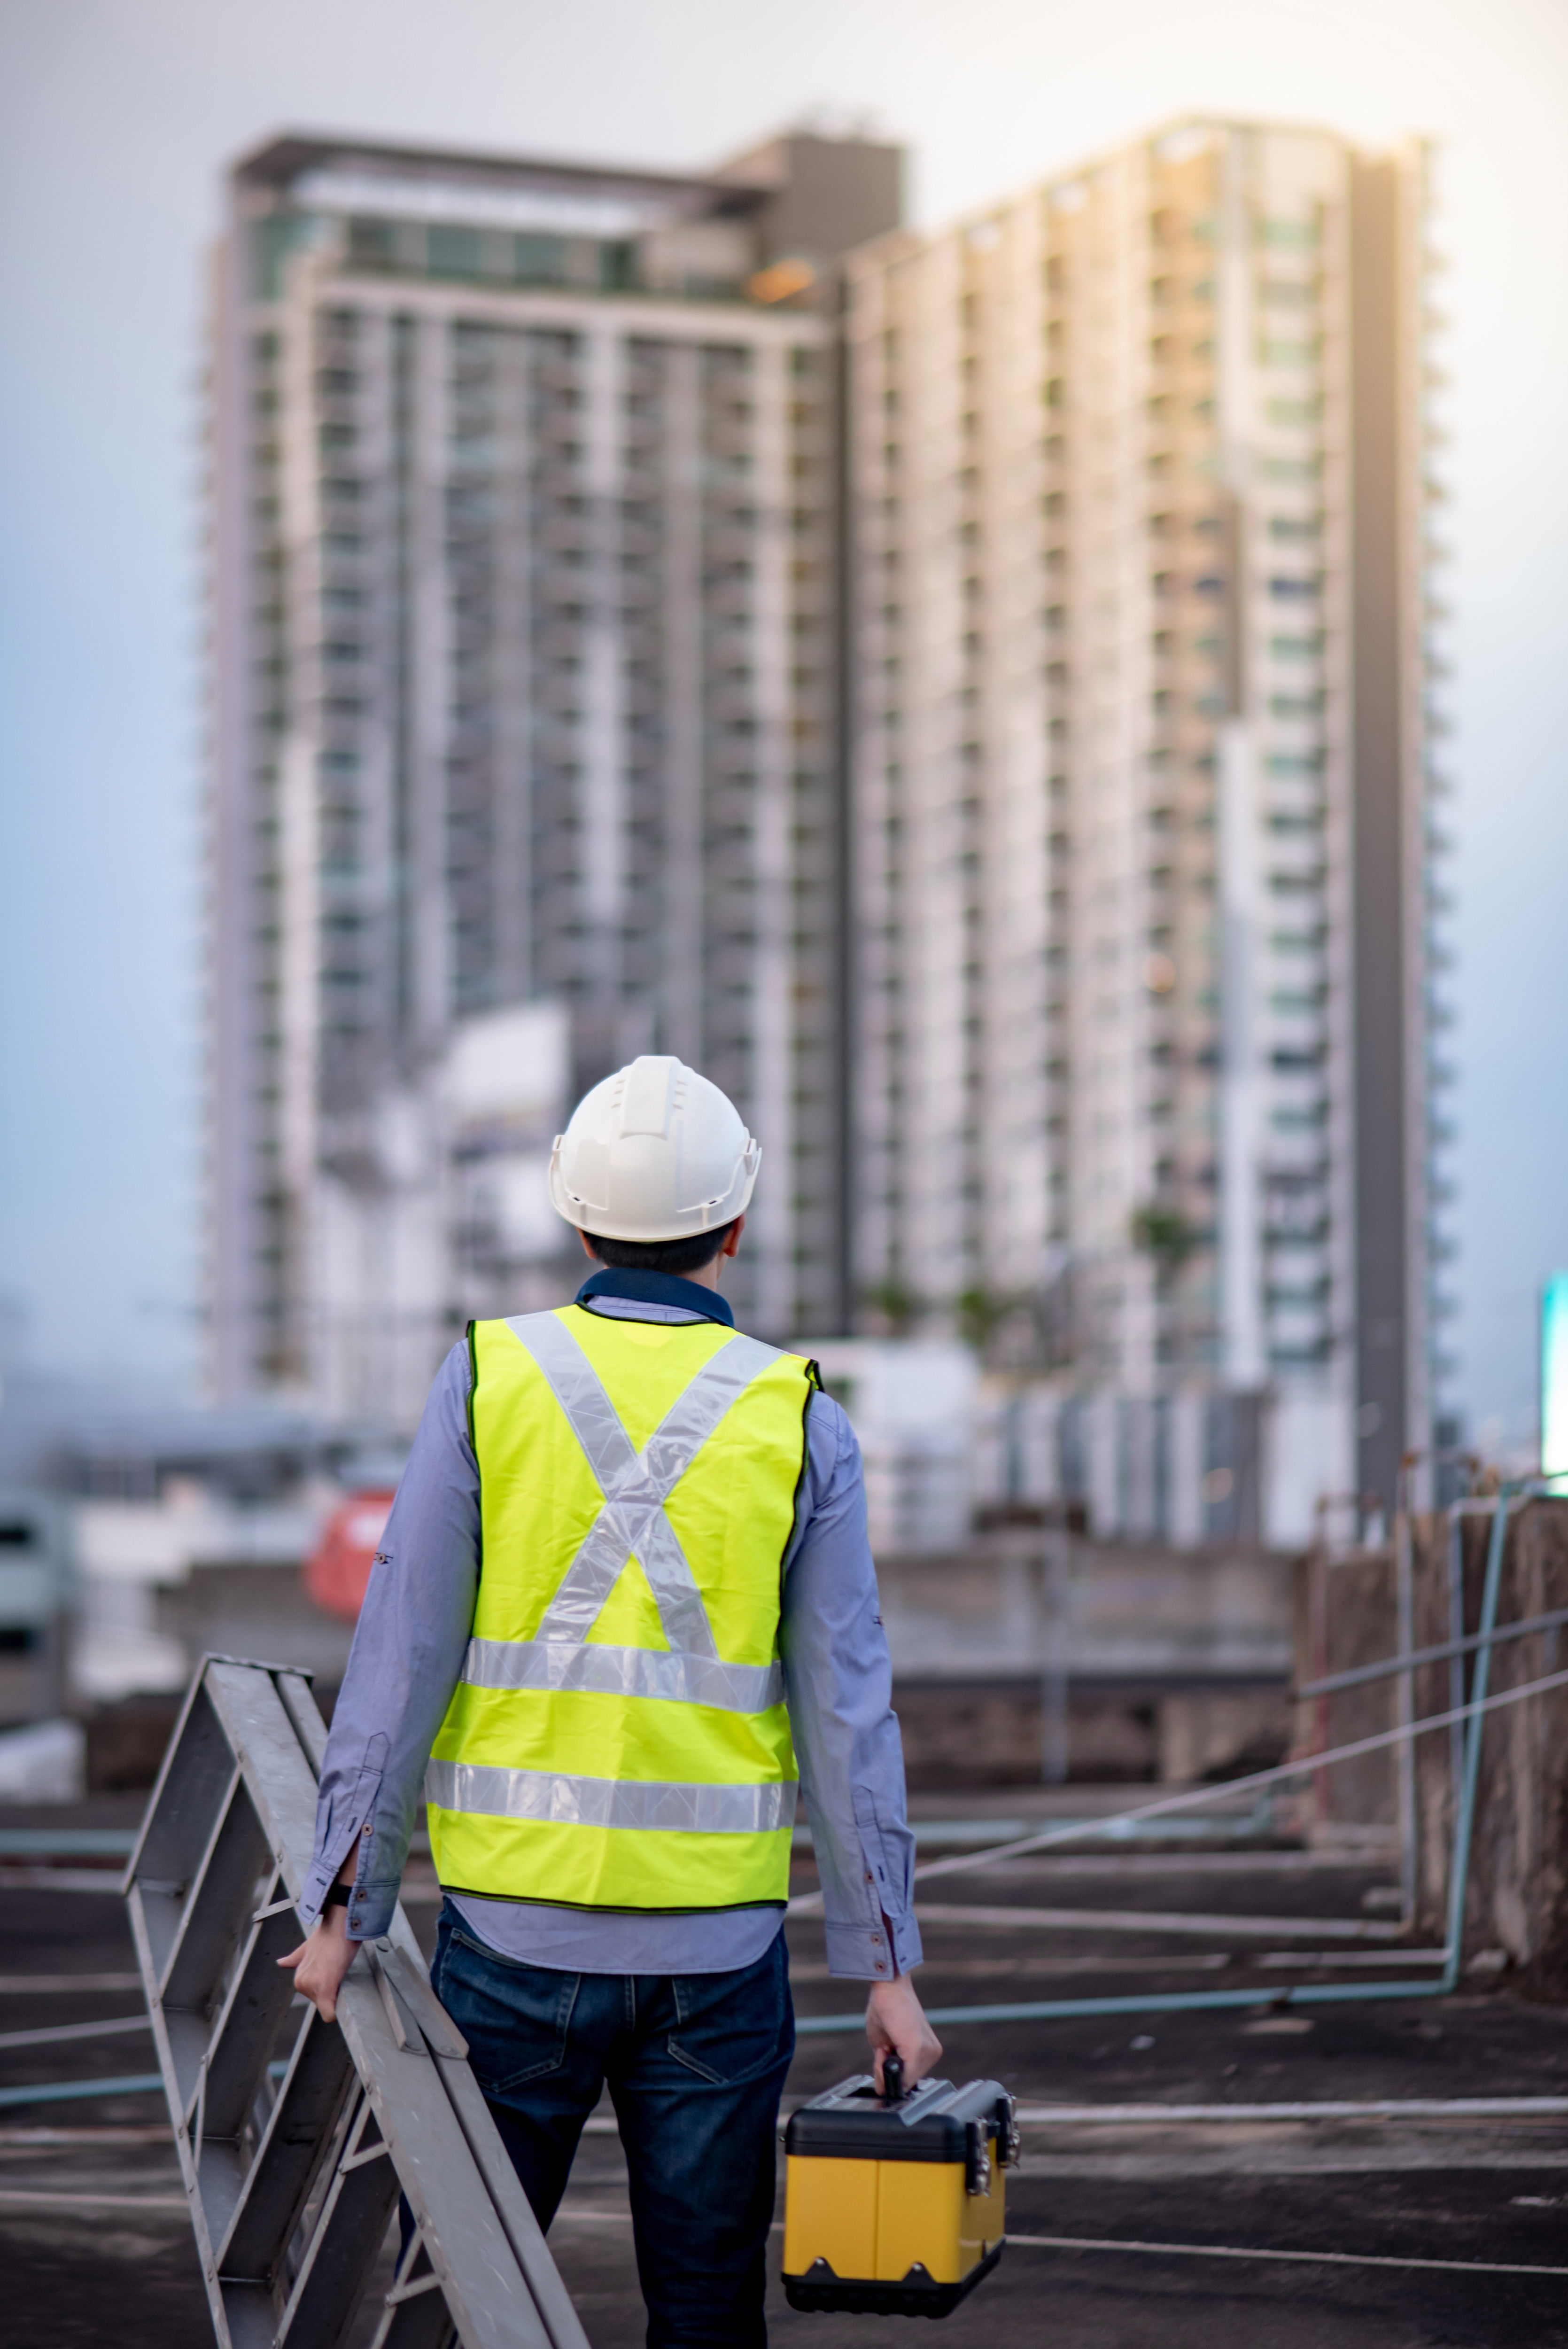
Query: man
624	1592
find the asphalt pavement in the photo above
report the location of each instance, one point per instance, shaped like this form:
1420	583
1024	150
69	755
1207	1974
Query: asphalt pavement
1130	2228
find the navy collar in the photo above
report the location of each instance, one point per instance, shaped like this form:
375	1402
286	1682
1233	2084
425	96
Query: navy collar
657	1288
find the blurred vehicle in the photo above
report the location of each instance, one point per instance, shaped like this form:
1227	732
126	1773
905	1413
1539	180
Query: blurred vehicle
337	1571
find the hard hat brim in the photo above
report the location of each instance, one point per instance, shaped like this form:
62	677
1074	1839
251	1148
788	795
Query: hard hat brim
703	1215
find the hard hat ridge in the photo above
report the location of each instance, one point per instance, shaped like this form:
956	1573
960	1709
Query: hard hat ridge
654	1151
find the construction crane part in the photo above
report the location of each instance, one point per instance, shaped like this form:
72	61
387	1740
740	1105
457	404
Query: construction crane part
295	2137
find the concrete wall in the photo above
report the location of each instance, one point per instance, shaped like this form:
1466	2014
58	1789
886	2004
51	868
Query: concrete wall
1151	1663
1024	1597
1517	1890
1345	1617
1517	1899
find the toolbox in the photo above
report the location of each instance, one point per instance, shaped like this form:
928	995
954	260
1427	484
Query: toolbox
893	2204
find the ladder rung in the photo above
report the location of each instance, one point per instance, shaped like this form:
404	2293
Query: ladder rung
401	2292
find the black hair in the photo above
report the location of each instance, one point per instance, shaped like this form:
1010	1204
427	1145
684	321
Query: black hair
678	1256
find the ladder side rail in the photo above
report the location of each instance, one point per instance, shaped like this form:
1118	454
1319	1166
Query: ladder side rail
197	1738
292	2149
287	2252
487	2288
142	1934
419	2322
175	2074
298	1700
267	1749
192	1786
468	2237
234	2075
345	2241
281	1787
206	1857
230	1881
563	2326
414	2316
249	2024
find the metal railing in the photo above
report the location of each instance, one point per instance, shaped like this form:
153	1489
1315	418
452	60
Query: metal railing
1465	1720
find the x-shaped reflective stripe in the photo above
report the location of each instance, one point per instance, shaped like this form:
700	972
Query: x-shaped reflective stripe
635	1484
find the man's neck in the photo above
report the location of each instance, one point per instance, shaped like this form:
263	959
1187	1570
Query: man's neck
662	1289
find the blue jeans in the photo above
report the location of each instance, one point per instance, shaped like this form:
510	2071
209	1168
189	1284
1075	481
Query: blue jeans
696	2064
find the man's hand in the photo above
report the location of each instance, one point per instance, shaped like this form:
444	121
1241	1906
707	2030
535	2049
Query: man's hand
319	1964
896	2025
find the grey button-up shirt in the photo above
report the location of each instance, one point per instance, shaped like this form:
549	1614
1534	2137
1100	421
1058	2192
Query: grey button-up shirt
407	1656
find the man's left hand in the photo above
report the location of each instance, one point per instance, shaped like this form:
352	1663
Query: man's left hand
319	1964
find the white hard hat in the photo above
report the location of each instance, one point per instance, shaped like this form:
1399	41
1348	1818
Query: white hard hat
654	1153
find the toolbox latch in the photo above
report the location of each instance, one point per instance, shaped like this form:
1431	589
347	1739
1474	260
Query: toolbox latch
976	2157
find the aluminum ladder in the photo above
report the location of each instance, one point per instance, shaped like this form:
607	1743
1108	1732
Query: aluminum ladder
295	2135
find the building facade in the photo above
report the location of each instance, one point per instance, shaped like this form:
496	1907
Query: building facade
1144	662
971	693
526	711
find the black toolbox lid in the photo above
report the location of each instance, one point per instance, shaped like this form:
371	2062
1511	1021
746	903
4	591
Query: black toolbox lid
852	2123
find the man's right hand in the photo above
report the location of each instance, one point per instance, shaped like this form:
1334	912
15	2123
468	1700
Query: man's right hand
896	2025
319	1964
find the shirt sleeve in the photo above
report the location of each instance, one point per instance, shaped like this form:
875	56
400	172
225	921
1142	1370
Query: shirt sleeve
408	1647
838	1681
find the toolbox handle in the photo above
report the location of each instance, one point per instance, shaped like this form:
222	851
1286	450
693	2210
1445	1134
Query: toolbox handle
893	2078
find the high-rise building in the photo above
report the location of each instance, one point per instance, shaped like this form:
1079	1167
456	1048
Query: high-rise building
527	744
1142	471
1075	964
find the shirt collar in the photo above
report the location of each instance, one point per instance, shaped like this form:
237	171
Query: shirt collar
657	1288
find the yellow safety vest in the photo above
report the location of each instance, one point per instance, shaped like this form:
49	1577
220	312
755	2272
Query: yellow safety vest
619	1737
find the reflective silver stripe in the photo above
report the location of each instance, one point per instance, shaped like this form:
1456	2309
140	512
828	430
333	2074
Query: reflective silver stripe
575	1385
623	1671
480	1788
631	1519
635	1486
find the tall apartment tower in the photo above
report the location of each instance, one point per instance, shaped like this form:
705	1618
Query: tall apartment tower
1144	811
526	699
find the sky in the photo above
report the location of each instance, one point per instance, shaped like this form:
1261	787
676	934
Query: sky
116	120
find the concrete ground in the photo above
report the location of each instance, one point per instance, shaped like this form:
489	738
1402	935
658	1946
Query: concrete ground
97	2247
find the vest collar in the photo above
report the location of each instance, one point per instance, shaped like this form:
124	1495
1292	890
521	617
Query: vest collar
657	1288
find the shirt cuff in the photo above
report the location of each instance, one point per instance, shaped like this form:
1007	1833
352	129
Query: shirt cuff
370	1910
862	1952
370	1902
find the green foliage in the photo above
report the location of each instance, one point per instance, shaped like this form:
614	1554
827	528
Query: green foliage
979	1312
900	1307
1163	1233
